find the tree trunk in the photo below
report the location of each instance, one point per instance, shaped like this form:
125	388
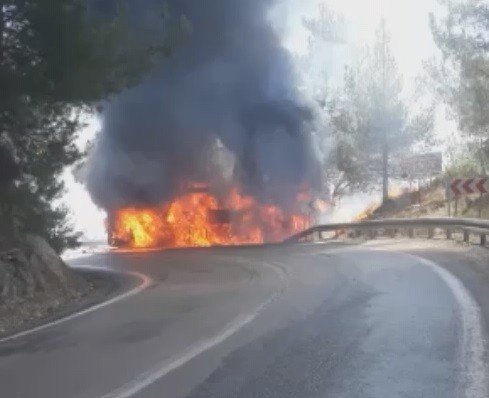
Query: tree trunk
385	171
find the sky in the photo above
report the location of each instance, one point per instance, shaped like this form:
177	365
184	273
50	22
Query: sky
407	21
86	217
411	39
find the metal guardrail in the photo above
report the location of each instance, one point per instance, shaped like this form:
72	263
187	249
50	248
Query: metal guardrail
392	226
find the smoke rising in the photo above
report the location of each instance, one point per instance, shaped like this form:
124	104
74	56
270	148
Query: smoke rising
223	108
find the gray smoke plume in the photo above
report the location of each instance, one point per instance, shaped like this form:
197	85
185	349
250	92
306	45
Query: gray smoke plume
222	107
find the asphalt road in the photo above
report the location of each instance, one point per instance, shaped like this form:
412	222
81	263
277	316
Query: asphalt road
381	320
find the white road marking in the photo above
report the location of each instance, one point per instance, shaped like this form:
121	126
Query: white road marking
474	375
145	283
474	371
152	375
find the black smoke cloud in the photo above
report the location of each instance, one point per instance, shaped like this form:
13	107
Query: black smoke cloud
228	89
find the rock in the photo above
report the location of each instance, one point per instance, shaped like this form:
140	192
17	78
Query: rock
48	257
34	282
31	267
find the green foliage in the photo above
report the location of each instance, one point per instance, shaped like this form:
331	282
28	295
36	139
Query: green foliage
468	160
370	118
463	166
350	122
56	62
461	76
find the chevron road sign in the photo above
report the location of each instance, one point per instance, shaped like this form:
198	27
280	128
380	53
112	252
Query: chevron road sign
468	186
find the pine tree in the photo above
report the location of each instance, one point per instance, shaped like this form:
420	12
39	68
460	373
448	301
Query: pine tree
56	62
460	77
370	119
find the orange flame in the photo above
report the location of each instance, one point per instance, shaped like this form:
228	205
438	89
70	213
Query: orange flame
367	213
198	218
394	193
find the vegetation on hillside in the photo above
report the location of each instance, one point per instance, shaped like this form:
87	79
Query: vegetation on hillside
58	59
460	77
369	118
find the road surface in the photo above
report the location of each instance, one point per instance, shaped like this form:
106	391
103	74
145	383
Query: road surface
386	319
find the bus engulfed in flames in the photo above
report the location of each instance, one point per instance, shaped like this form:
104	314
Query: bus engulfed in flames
199	219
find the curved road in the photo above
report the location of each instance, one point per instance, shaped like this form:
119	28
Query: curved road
386	319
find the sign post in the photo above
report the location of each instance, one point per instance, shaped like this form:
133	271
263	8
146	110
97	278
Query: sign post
448	194
480	205
467	186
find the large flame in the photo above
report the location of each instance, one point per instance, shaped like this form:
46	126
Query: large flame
199	218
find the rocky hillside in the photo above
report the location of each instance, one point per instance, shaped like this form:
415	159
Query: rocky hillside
430	202
34	282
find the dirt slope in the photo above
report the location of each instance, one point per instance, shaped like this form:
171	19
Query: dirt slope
34	282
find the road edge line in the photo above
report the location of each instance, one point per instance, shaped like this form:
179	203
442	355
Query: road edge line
474	372
145	280
151	376
474	383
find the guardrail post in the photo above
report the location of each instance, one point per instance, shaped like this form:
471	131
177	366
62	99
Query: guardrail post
411	233
449	233
483	239
466	236
431	233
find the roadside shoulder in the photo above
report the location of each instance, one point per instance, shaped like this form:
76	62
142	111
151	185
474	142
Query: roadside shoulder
27	314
